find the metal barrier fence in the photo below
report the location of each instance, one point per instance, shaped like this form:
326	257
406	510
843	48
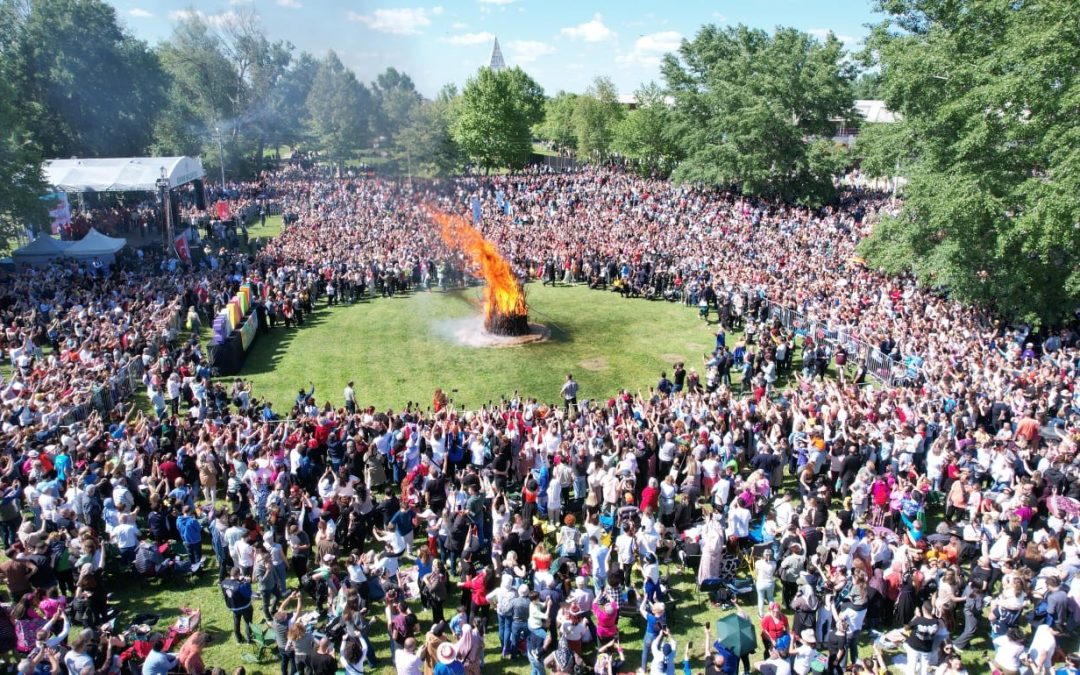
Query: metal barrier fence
124	383
889	370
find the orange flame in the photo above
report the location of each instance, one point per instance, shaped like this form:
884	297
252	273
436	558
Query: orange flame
503	292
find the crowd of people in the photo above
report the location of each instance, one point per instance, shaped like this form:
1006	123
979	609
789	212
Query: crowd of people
854	526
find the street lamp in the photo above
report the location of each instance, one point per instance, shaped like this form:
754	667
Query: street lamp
221	158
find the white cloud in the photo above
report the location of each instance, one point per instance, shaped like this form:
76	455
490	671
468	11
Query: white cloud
291	4
241	2
466	39
648	49
822	34
496	2
590	31
437	10
527	51
399	21
458	25
214	20
720	18
140	13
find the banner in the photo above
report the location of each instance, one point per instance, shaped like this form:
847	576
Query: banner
248	331
59	210
476	212
222	210
181	245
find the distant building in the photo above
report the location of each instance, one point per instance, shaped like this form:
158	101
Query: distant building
497	63
871	111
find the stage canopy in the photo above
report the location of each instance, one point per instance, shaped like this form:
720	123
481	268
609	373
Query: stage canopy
40	251
121	174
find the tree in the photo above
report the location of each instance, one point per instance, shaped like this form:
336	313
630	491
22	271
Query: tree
340	110
557	128
751	107
988	142
290	101
92	92
493	119
644	135
21	182
395	96
426	139
596	114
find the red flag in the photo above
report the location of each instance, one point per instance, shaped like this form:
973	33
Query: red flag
181	246
222	210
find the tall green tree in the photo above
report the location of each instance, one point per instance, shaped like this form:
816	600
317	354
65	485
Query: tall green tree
596	115
756	110
493	119
339	109
557	127
81	84
644	136
21	182
228	84
426	139
395	97
988	141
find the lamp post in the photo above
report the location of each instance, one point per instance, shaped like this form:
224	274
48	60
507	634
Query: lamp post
166	205
221	158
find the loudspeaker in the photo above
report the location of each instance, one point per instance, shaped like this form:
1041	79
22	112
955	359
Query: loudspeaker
200	195
175	204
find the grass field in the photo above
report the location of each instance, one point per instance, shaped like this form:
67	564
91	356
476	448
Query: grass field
400	349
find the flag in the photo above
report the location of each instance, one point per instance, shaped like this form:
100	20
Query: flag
476	212
181	245
222	210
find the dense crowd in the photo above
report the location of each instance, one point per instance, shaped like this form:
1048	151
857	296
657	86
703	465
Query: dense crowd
916	523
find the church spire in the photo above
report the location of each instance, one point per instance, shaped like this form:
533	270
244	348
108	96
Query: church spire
497	62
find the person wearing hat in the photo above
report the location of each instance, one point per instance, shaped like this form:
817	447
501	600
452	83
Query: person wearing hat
805	653
447	661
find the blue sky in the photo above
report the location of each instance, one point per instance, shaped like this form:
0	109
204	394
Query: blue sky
562	44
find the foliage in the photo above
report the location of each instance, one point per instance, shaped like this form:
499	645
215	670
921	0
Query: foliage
340	108
231	84
427	140
748	106
595	117
21	182
644	136
868	86
493	120
558	125
80	83
990	148
395	97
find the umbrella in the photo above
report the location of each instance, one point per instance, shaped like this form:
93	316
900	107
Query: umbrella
1060	505
889	535
943	538
736	633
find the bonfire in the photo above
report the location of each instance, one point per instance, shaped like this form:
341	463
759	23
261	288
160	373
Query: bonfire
505	311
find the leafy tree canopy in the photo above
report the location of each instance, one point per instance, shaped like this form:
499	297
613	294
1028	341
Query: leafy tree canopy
988	141
493	119
751	109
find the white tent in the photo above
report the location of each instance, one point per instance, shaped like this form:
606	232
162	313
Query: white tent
41	251
95	246
122	174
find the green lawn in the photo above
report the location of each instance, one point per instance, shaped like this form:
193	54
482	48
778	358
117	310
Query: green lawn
400	349
260	234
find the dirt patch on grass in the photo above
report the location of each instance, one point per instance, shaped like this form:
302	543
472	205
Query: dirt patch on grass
698	347
594	364
672	358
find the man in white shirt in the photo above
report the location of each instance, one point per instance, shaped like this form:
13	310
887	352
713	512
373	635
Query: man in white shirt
406	661
126	537
739	520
